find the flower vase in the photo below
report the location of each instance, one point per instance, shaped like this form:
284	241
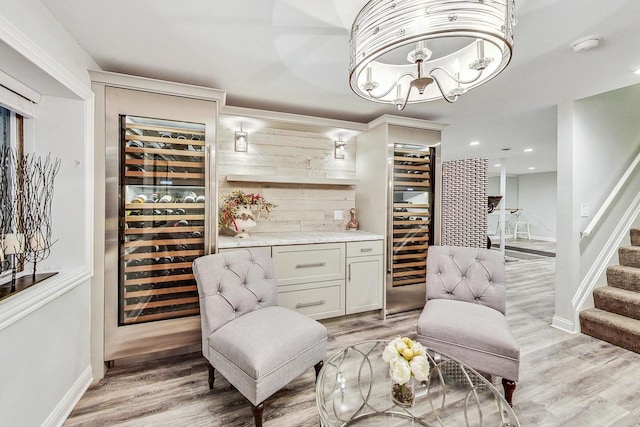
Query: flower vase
403	394
244	221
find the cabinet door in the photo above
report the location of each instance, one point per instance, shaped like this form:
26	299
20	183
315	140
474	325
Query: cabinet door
364	283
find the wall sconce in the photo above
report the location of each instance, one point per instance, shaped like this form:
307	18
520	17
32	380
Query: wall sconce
242	141
339	151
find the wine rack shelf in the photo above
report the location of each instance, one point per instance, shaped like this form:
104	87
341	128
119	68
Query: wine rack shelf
411	218
162	219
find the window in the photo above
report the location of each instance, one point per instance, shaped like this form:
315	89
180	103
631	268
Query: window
11	145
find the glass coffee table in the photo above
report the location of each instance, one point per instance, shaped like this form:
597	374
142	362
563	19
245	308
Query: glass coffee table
354	388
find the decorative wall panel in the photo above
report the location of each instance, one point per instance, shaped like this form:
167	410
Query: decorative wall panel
293	153
464	203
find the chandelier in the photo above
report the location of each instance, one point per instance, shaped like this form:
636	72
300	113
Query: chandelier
408	51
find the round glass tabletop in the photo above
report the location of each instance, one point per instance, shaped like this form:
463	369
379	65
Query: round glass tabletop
354	388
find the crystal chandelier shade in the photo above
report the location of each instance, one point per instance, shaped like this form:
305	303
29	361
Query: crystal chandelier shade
408	51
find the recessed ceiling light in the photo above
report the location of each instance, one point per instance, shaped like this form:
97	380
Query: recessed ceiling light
474	143
497	165
637	71
532	168
528	150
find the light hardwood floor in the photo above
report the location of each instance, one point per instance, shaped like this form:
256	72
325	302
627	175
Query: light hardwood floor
565	380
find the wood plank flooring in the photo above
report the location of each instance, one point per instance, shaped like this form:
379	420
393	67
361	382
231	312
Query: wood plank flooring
565	380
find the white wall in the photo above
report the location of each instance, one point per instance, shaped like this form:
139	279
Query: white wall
44	331
537	196
510	201
597	139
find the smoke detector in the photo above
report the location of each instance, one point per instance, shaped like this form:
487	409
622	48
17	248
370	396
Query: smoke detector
585	44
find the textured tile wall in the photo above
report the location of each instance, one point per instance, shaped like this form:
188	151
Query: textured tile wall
291	153
464	203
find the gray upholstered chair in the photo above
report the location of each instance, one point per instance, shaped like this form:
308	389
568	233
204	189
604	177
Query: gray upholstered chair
256	345
464	316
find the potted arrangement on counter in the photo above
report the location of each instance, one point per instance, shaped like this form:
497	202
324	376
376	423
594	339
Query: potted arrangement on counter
239	211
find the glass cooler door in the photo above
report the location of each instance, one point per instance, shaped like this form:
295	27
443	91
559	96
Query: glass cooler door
411	223
162	218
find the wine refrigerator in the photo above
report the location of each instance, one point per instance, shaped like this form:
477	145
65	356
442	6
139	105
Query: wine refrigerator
160	209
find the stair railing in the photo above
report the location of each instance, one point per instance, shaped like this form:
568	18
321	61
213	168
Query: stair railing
614	193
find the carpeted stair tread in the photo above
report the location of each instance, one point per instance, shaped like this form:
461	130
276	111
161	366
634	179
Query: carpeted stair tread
620	276
635	236
619	301
629	256
613	328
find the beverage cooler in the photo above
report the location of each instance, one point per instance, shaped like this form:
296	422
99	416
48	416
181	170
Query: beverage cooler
160	213
162	218
410	223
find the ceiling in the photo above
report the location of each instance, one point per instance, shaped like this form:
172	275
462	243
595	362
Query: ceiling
293	55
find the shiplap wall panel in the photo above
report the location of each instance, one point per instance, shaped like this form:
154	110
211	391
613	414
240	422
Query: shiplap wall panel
291	153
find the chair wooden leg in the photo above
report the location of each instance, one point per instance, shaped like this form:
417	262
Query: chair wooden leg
257	414
509	388
317	367
212	372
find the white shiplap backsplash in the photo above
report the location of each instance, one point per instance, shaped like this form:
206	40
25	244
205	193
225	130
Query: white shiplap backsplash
281	152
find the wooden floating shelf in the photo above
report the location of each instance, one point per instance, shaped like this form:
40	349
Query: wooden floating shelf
275	179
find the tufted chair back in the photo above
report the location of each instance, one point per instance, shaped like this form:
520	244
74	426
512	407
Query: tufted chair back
466	274
231	284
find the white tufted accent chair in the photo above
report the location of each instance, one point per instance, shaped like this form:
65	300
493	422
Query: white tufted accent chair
464	315
256	345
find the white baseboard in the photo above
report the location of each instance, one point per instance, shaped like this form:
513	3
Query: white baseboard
564	325
70	400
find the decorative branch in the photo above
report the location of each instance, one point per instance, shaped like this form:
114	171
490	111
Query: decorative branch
39	177
26	195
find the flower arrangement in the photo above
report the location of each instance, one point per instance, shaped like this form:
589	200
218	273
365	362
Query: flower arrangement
406	359
228	209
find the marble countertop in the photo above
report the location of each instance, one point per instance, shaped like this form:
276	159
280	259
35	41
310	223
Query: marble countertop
295	238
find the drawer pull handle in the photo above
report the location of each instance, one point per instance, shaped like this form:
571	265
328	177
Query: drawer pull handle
366	249
310	304
313	264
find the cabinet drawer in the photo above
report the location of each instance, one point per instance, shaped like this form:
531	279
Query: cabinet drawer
316	300
308	263
365	248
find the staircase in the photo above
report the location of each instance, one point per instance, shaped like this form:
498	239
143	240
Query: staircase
616	316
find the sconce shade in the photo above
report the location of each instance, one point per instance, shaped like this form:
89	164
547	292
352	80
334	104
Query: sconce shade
242	141
339	151
13	244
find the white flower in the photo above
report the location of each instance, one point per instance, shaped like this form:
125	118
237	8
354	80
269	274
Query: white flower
400	344
400	370
420	367
406	358
418	349
390	353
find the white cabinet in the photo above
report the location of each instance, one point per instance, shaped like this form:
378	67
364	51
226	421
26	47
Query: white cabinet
365	269
323	280
311	278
